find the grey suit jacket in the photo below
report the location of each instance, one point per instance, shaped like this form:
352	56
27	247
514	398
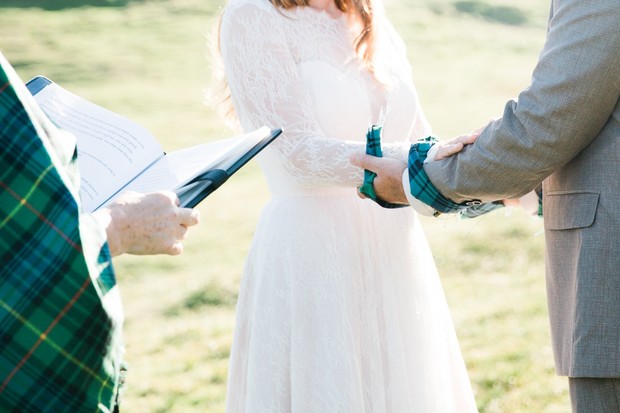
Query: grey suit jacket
564	129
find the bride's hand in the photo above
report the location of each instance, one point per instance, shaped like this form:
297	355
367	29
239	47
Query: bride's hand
454	146
457	144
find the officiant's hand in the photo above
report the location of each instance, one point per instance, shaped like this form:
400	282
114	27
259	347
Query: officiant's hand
388	183
145	224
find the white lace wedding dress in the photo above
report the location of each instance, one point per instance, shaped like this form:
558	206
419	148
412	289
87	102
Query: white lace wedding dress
340	308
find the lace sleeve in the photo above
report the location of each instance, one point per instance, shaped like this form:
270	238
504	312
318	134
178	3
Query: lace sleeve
266	89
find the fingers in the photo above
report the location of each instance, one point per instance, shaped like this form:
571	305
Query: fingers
456	145
468	139
365	161
176	248
465	139
357	159
447	150
189	217
169	195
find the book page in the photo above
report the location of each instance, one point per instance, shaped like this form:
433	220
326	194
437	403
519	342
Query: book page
112	149
179	167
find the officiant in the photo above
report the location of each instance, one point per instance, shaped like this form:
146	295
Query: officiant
60	310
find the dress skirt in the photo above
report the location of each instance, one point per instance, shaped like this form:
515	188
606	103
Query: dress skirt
341	310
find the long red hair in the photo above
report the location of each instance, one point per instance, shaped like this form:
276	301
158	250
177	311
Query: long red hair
362	10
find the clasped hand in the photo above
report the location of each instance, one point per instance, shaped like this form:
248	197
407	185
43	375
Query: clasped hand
388	183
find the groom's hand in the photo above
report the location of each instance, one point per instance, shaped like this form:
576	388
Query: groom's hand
388	183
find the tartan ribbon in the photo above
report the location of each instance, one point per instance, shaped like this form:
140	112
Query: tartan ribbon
423	189
373	147
420	185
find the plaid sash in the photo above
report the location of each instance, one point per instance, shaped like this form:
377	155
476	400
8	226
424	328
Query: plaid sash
60	346
423	189
373	147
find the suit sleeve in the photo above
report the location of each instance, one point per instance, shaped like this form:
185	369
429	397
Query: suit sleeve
574	90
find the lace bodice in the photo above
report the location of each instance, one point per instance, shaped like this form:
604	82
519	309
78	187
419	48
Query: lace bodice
297	69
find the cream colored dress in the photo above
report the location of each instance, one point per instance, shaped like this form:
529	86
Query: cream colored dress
340	308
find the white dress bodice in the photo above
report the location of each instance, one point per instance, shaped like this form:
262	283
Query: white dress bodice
302	74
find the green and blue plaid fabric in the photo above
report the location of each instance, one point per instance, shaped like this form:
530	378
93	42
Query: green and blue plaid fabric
373	147
60	343
420	186
423	189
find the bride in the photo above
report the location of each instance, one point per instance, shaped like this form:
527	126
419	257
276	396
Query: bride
340	307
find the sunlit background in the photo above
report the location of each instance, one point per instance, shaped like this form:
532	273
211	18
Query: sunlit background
148	60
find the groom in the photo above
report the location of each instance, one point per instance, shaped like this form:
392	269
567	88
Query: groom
564	131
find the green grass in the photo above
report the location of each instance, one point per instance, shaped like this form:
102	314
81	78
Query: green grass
148	61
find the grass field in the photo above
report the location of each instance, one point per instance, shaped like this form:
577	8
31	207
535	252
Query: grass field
148	61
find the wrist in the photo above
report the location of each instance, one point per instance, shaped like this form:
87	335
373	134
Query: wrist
430	156
109	219
398	151
420	185
419	206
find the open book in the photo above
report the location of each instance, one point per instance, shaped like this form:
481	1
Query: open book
116	154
